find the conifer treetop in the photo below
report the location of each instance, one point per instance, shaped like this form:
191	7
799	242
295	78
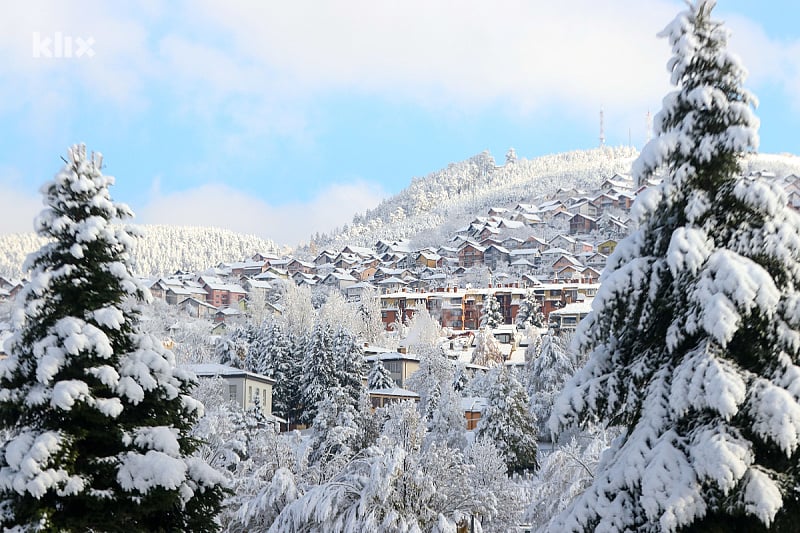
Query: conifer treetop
694	335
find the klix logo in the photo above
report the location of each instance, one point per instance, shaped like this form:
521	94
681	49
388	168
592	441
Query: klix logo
60	46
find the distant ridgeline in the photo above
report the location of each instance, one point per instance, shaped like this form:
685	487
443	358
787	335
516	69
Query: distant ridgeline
432	207
161	250
428	211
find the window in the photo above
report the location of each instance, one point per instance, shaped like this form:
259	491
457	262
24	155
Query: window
232	392
392	366
250	394
264	401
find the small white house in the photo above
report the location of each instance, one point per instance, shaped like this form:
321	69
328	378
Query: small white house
243	386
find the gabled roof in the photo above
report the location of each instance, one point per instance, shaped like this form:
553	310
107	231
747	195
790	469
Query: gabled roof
394	280
207	370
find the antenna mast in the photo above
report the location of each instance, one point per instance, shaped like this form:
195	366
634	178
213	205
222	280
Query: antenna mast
602	130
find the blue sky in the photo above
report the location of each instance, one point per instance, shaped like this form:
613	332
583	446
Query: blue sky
285	118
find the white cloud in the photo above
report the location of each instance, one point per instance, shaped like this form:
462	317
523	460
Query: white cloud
768	61
222	206
260	64
531	54
18	207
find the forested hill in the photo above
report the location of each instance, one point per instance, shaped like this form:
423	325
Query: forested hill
433	206
161	249
427	211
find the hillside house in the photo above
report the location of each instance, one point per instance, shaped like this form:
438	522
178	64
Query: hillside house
568	317
606	247
197	308
339	280
581	224
494	255
242	386
295	265
400	365
221	294
429	259
470	254
383	397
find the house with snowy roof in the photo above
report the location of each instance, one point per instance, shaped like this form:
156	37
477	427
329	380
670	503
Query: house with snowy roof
339	280
568	317
383	397
197	308
242	387
220	293
470	254
399	364
582	224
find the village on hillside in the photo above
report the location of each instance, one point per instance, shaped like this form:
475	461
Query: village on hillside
551	251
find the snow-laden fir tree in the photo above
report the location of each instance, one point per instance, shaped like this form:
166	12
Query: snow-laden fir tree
546	374
530	312
695	331
348	356
334	435
282	362
508	422
379	377
318	375
98	415
491	314
333	358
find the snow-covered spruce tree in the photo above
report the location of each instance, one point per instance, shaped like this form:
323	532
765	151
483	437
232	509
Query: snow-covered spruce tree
98	415
282	362
379	377
508	422
695	332
546	374
530	312
318	375
348	357
335	435
491	314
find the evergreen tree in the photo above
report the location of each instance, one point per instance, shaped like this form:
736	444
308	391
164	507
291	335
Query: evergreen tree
257	347
280	362
231	349
319	374
508	422
693	339
530	312
97	414
379	377
348	363
335	434
546	375
491	314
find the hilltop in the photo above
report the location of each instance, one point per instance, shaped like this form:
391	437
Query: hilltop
433	206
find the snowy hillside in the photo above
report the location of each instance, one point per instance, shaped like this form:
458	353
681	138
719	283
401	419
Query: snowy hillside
433	206
162	249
